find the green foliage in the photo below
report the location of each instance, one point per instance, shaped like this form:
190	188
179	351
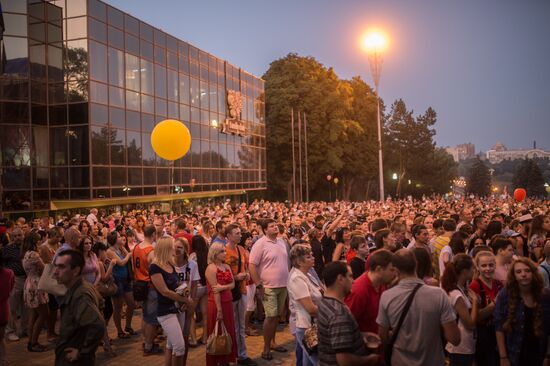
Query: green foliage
478	179
529	176
342	135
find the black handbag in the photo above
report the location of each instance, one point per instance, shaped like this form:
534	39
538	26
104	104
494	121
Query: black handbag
236	291
388	350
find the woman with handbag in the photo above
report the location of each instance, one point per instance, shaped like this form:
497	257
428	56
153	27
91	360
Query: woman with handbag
107	281
35	300
220	308
171	305
304	294
90	272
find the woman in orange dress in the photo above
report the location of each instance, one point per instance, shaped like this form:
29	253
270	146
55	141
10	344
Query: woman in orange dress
219	283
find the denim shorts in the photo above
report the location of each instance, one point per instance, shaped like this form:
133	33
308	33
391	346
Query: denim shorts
123	286
149	307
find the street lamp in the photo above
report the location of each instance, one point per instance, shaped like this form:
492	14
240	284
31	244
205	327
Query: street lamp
374	42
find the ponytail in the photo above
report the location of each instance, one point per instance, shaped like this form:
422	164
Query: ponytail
460	262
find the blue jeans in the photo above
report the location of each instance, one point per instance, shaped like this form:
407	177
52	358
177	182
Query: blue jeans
307	359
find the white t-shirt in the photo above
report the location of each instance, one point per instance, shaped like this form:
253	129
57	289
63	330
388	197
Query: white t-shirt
467	345
300	287
445	249
188	272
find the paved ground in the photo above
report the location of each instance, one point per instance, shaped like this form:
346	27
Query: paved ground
129	351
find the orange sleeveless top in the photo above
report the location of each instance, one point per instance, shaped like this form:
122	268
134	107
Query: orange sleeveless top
141	265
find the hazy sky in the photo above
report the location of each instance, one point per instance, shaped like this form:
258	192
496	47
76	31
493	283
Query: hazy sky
484	66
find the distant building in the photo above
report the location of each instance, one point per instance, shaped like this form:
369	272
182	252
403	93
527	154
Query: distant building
462	151
500	152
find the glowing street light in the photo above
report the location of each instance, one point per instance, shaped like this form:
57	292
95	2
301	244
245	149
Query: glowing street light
374	43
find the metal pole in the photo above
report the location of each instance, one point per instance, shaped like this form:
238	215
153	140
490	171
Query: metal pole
293	156
375	63
300	154
305	145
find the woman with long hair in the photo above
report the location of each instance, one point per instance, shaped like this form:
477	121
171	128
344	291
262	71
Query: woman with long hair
138	229
220	307
91	271
200	256
208	231
493	228
106	273
540	226
454	281
171	305
456	246
121	273
424	269
343	238
35	300
84	228
522	313
486	287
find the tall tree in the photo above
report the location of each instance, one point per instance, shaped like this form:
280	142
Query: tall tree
478	180
529	176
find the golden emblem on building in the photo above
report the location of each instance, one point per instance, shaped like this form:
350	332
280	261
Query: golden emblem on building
234	125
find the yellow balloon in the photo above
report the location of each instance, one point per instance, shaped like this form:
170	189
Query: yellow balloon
548	189
336	180
171	139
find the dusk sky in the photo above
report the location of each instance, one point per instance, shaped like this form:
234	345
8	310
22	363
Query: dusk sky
484	66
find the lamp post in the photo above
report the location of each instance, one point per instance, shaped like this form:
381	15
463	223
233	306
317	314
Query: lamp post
375	43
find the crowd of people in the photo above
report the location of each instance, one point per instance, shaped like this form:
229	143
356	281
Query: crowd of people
416	282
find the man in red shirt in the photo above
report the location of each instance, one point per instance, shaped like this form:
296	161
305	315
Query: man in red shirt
181	231
365	293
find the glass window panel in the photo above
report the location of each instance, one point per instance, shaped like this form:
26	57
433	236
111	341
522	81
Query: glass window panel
36	9
204	72
118	192
160	38
16	25
146	31
184	113
195	130
147	104
80	177
39	114
116	67
116	38
15	53
173	110
59	177
173	60
148	191
194	92
58	146
54	33
214	99
213	76
37	31
99	114
160	55
147	77
184	88
161	108
116	97
115	17
146	49
97	9
184	64
147	122
134	147
132	44
131	24
101	193
221	101
41	178
100	144
98	92
133	120
160	81
117	142
194	69
149	177
116	117
14	6
75	61
173	85
195	115
132	100
56	93
118	176
204	99
135	176
98	61
75	8
132	72
205	118
78	113
100	177
163	176
148	153
97	30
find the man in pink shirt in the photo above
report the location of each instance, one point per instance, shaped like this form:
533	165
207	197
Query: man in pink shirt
269	271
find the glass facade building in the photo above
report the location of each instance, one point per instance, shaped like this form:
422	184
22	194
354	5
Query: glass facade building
82	85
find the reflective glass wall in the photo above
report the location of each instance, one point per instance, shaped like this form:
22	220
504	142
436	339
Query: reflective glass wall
99	81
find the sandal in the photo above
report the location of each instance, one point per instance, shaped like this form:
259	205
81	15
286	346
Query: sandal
123	335
36	347
130	331
267	356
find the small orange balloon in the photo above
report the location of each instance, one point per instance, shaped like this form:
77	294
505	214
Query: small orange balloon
520	194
